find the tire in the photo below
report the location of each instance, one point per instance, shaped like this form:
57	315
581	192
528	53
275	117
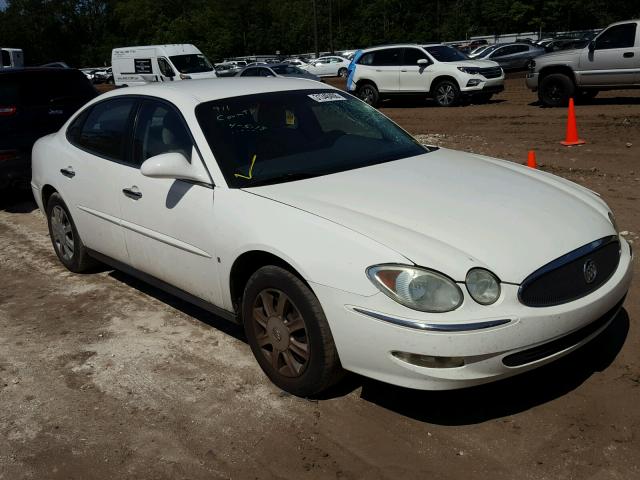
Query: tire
556	89
446	93
368	93
65	238
342	72
288	333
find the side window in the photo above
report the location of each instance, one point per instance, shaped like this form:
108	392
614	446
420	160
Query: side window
6	58
521	48
265	72
159	130
412	55
619	36
165	68
335	60
387	57
366	59
249	72
501	52
104	131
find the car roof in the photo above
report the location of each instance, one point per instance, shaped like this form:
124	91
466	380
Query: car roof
400	45
205	90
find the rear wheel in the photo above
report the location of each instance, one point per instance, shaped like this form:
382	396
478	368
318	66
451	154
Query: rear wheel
65	238
368	93
342	72
446	93
289	333
556	89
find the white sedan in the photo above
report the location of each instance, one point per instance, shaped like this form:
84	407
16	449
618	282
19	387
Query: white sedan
332	66
337	240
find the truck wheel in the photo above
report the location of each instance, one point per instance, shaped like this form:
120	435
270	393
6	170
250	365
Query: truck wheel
556	89
368	93
446	93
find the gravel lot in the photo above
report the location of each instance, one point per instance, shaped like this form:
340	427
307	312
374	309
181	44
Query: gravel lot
104	377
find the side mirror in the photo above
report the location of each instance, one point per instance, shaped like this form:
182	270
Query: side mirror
423	62
592	45
175	165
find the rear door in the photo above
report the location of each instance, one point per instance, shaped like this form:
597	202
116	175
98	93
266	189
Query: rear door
94	170
169	225
414	77
386	63
616	58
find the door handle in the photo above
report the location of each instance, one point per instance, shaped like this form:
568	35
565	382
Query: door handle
627	54
132	192
68	172
403	70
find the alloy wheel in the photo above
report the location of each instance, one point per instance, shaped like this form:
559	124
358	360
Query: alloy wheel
445	94
281	333
367	94
62	232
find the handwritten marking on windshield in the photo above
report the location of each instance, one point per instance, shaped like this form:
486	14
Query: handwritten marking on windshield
238	175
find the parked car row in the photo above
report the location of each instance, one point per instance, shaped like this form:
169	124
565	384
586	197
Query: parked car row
99	75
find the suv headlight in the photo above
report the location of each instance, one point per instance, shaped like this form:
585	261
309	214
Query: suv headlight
470	70
483	286
417	288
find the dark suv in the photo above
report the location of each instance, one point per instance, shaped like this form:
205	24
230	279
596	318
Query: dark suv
34	102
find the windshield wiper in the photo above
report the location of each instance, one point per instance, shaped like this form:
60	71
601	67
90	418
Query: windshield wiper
288	177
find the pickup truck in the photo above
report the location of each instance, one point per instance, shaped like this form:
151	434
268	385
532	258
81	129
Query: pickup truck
611	61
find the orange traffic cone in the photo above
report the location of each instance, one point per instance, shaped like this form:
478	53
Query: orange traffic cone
531	159
572	128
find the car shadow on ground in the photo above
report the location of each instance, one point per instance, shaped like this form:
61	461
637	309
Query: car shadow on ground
455	407
17	200
506	397
594	102
418	102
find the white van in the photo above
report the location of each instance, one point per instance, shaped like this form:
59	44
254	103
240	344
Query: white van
11	58
159	63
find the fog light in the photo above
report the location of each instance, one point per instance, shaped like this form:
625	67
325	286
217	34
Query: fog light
428	360
474	82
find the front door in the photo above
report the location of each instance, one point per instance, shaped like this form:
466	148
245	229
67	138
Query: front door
615	59
414	77
169	224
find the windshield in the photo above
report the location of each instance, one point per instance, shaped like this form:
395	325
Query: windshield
445	53
286	69
487	51
193	63
283	136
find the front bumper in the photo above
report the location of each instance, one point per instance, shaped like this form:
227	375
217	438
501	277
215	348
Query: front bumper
365	342
532	81
491	85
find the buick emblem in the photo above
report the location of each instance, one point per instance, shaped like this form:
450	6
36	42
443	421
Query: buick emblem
590	270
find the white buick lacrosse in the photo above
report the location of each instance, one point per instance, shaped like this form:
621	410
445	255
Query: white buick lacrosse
330	234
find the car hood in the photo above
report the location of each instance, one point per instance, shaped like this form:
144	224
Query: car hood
560	56
479	63
451	211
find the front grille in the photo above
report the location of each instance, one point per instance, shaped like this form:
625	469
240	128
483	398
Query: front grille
491	72
566	278
551	348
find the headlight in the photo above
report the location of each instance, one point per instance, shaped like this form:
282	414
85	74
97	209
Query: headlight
613	222
417	288
470	70
483	286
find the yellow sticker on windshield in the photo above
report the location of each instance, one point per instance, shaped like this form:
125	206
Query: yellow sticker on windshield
290	118
238	175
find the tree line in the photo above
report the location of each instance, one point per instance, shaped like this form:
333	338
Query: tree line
83	32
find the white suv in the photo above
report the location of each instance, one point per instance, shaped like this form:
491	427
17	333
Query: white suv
439	71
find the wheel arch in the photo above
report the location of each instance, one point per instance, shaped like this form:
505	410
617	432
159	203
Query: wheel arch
364	81
47	191
247	264
563	69
440	78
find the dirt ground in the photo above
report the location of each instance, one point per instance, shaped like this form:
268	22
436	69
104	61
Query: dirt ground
104	377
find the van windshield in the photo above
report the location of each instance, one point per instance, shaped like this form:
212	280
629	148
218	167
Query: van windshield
193	63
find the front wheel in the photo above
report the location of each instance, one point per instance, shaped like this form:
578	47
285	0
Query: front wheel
555	90
447	93
288	332
368	93
65	238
